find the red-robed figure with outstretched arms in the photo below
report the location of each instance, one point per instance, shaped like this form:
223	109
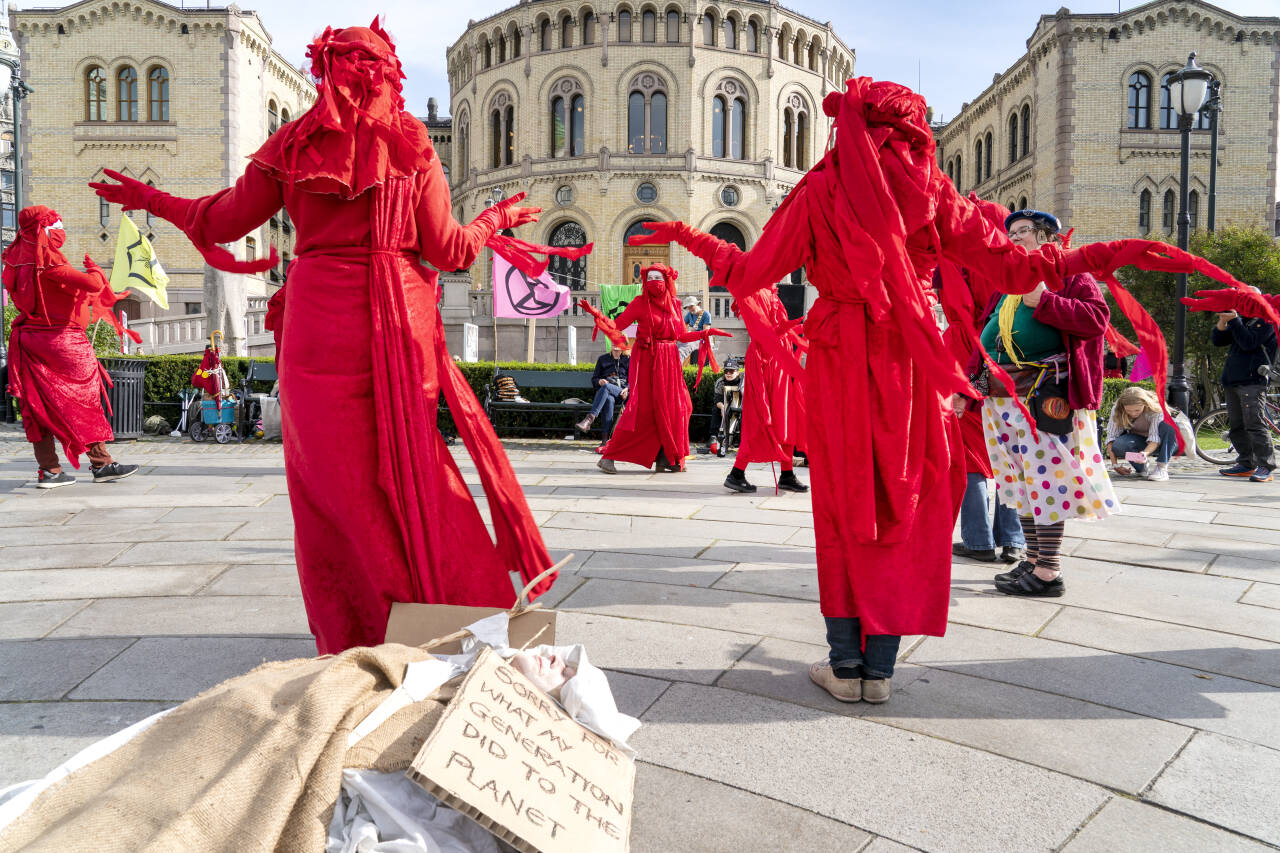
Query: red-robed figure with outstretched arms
381	512
52	367
654	427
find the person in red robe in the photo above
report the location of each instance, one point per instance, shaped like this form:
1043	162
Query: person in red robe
869	222
381	511
772	412
654	428
53	371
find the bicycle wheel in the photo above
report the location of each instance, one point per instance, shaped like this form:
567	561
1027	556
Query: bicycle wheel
1213	443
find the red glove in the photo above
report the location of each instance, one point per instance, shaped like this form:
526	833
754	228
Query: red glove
662	232
1213	300
506	215
129	193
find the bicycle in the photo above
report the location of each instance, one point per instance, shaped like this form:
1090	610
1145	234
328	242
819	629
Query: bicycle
1213	439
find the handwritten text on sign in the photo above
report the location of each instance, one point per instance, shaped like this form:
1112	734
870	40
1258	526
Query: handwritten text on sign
508	751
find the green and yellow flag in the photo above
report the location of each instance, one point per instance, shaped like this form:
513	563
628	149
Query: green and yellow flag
136	266
615	297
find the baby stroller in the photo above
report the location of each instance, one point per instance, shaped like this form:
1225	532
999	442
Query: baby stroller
214	409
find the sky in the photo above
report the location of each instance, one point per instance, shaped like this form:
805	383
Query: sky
950	49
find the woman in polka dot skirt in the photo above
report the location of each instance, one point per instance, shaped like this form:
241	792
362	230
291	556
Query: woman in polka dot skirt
1048	478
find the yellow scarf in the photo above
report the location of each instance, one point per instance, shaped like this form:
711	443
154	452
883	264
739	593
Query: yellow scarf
1004	319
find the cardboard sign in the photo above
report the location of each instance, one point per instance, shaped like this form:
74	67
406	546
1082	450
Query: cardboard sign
507	756
415	624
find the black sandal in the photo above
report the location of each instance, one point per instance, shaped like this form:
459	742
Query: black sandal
1016	572
1030	585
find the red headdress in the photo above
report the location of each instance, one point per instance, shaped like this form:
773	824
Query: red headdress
669	275
30	254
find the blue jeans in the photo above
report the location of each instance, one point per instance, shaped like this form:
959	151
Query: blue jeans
602	406
977	531
1127	442
844	636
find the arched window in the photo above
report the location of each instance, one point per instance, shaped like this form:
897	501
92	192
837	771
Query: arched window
509	128
797	49
544	35
566	31
1139	100
738	129
184	30
708	29
813	55
802	140
673	26
284	116
624	25
753	37
589	28
95	82
729	233
567	273
782	45
795	133
1026	129
1144	212
730	34
502	48
568	118
104	212
515	42
250	249
464	145
718	109
127	106
1168	116
959	175
495	138
989	151
977	162
1013	138
502	131
1166	212
949	170
273	117
488	53
788	137
647	115
1022	203
158	91
648	26
1193	209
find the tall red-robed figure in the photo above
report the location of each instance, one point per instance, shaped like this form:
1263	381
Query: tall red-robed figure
381	512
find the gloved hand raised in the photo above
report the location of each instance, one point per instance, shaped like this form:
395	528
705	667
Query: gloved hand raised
129	193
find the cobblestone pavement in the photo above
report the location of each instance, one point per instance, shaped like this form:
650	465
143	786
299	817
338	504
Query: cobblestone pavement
1139	712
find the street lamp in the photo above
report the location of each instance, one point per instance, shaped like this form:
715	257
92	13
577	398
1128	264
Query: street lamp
1213	107
1188	89
11	81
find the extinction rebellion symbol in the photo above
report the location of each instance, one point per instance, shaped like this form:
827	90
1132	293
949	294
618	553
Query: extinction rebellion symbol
529	296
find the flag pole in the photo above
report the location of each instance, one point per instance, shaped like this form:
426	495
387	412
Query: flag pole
530	338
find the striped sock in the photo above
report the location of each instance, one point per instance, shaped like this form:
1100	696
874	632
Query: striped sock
1029	533
1049	542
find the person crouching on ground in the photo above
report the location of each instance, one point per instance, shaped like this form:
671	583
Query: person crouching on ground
1052	342
610	383
1137	426
52	369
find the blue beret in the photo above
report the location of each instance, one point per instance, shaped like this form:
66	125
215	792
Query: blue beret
1039	217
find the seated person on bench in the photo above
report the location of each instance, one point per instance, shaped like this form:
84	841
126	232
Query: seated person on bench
730	380
610	384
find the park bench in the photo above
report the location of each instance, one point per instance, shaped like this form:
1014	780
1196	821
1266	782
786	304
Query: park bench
570	383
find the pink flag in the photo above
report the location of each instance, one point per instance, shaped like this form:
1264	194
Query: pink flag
1141	368
520	296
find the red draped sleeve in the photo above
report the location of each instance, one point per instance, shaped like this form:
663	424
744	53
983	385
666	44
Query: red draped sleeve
226	215
445	243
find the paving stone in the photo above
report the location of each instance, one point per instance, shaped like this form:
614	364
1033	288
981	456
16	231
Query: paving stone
111	495
196	514
678	812
998	611
1177	694
1088	741
633	694
1268	521
10	517
769	579
1145	555
1244	567
625	542
121	516
747	514
58	556
256	580
725	610
576	559
114	534
791	753
884	845
1263	595
1139	828
1225	781
1205	651
652	568
190	615
260	551
274	526
754	552
1142	507
47	669
652	648
30	620
1233	546
110	582
177	668
36	737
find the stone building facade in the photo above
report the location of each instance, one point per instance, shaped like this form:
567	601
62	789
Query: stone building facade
175	97
611	113
1080	124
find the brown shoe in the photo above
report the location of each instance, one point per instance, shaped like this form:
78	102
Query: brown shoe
842	689
606	465
585	424
875	690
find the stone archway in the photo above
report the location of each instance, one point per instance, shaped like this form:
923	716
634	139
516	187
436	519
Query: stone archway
635	258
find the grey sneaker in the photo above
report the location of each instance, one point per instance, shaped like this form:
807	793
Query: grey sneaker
841	689
606	465
875	690
113	471
45	480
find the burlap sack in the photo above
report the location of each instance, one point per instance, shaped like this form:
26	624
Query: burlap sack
253	764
